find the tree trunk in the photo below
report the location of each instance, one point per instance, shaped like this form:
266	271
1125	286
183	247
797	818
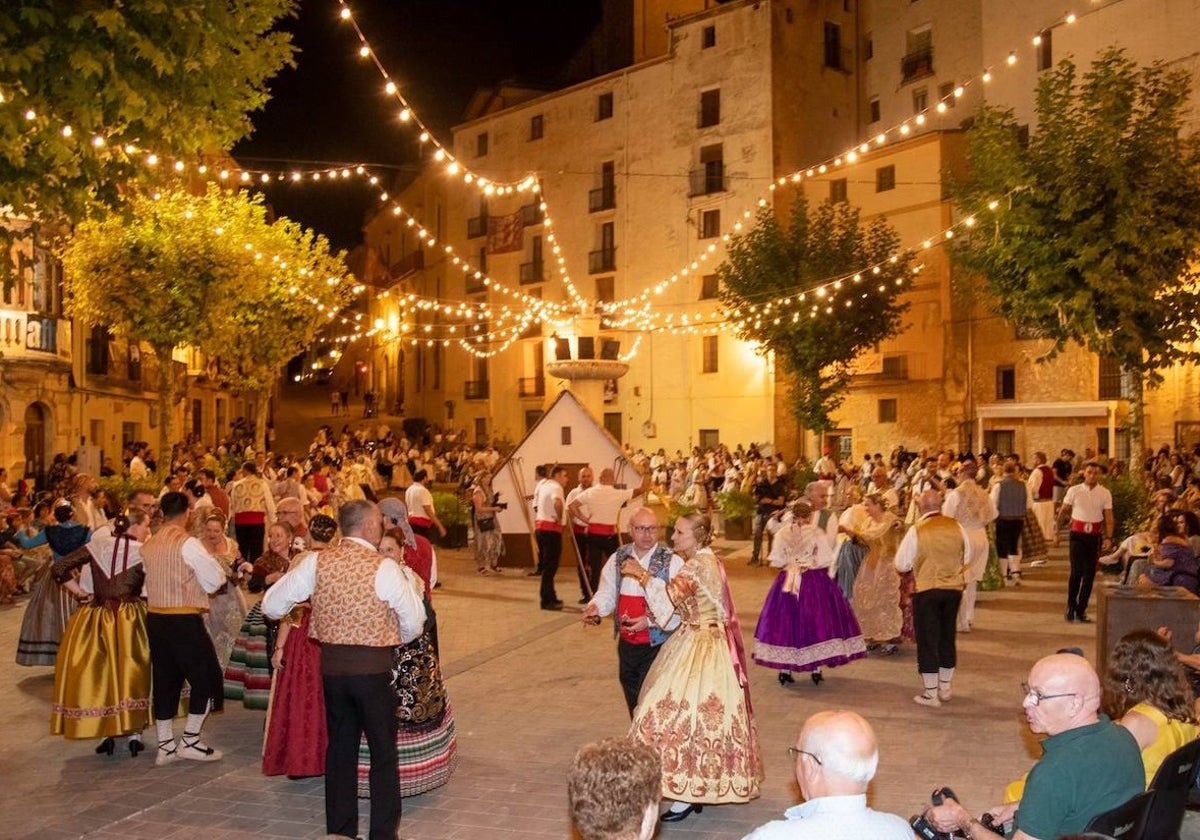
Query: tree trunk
262	410
162	458
1137	420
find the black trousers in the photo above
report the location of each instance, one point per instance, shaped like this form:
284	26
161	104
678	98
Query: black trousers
1008	537
583	544
357	704
1085	553
601	547
633	663
181	649
250	540
935	620
549	545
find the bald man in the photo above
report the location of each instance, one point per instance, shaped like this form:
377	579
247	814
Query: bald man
597	507
835	759
1089	764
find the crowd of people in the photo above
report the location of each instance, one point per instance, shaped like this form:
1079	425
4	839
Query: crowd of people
131	602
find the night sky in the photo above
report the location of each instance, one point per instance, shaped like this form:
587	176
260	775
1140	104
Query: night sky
332	108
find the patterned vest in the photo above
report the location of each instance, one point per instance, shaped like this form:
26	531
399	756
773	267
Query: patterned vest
171	585
939	561
659	567
345	608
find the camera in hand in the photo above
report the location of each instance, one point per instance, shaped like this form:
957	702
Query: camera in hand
924	829
497	503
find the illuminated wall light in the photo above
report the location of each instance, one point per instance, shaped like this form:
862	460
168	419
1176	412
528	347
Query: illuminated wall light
1071	17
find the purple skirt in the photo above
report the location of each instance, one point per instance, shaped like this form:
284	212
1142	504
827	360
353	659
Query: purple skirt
812	629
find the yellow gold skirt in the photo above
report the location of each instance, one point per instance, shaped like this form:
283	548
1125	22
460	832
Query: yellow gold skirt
102	673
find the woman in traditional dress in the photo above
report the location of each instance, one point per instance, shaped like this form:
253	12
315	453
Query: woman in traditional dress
489	545
248	677
296	738
102	674
426	740
50	606
806	621
695	703
876	600
227	608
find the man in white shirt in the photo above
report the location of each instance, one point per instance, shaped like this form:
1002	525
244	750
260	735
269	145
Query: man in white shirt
587	583
550	506
598	508
639	640
835	756
421	514
1089	509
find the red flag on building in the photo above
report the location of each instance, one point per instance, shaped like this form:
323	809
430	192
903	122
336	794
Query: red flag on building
505	234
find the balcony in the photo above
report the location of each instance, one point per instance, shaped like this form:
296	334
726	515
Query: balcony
532	272
708	179
916	65
603	260
531	214
604	198
477	227
406	265
475	389
531	386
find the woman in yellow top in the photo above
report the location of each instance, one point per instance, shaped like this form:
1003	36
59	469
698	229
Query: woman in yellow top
1146	690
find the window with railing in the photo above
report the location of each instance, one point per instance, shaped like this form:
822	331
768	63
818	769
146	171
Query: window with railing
531	386
531	272
477	227
475	389
531	214
917	64
97	351
602	198
604	259
1112	382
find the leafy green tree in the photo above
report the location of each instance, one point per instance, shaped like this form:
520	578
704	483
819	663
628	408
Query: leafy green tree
175	77
1097	243
208	271
811	293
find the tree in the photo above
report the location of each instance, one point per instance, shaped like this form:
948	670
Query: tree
203	270
811	294
175	77
278	311
1103	220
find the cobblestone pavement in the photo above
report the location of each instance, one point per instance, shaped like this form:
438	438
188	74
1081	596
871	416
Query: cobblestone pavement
528	687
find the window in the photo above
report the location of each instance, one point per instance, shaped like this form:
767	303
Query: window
605	197
536	127
605	292
97	351
874	109
604	106
920	98
895	367
134	361
917	62
710	224
1112	380
868	47
837	191
885	178
946	94
710	287
1002	441
833	45
481	144
612	424
1045	52
1006	382
887	411
710	177
709	363
708	37
482	262
532	415
605	257
710	108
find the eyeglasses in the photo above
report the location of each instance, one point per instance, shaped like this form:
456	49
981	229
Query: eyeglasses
1037	697
796	752
644	529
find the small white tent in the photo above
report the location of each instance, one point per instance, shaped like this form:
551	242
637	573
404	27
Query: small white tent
565	434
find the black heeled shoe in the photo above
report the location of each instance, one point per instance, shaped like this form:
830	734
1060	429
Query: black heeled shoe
135	747
785	678
679	816
817	677
106	747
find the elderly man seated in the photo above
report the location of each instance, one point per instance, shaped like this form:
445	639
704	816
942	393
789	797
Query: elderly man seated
836	756
1089	764
613	788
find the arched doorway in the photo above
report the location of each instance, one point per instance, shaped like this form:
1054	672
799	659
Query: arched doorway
37	429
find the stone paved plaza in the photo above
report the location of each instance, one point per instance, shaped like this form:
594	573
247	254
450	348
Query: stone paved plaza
528	687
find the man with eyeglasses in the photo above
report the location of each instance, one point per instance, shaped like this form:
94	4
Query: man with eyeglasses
623	597
835	759
1089	764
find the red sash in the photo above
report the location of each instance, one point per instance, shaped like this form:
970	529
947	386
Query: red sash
1078	526
547	525
601	530
633	606
420	521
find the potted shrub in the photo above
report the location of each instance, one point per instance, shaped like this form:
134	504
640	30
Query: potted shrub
737	512
455	514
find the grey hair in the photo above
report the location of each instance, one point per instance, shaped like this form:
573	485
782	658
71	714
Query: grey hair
839	757
353	514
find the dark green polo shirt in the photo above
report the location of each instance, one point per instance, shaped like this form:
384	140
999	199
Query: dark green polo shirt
1083	772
